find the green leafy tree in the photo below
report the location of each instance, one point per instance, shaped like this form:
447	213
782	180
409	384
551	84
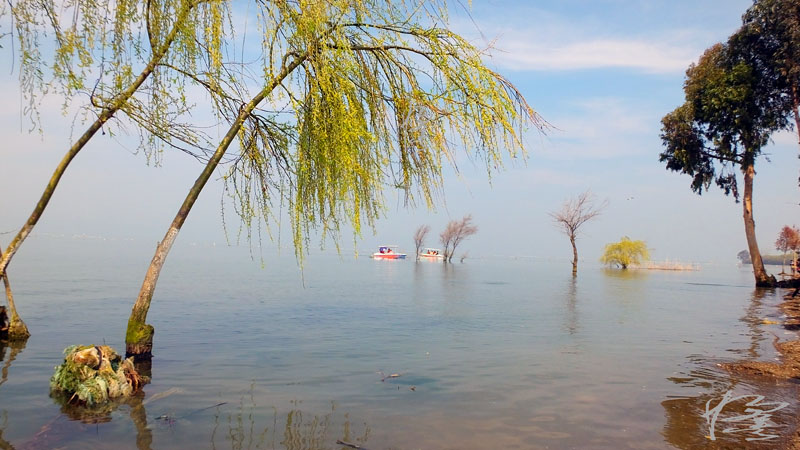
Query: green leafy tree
770	39
726	120
625	253
350	97
117	54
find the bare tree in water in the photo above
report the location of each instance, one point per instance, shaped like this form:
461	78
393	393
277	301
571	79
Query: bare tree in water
455	232
419	237
573	214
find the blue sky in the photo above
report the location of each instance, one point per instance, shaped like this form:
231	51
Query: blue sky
603	73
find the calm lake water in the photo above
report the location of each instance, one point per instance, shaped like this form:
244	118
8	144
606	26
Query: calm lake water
493	353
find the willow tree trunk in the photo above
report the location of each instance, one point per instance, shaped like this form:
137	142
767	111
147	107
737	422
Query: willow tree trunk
139	334
574	256
761	276
105	115
16	327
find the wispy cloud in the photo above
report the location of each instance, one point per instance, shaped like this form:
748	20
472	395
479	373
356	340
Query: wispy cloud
601	128
524	53
539	40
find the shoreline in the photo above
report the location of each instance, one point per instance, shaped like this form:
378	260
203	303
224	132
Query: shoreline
788	367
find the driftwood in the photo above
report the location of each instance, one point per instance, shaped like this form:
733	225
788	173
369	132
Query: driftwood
384	377
171	419
348	444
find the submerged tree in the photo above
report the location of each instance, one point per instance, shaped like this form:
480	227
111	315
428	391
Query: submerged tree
455	232
573	214
16	328
419	238
115	53
358	95
625	253
725	122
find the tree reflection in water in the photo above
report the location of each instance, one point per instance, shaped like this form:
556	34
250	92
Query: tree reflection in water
571	319
5	445
16	347
753	319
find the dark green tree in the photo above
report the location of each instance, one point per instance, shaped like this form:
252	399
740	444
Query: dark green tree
726	120
770	39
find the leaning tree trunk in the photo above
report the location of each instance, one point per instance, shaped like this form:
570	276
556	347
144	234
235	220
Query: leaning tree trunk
761	276
574	256
139	334
16	327
105	115
795	104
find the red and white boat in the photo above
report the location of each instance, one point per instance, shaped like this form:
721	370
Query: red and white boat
388	252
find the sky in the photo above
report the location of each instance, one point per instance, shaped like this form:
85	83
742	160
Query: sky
601	72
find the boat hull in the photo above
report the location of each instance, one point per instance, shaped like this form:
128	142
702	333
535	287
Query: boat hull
389	256
431	257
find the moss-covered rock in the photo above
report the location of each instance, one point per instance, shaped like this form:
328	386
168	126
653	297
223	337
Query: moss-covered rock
92	375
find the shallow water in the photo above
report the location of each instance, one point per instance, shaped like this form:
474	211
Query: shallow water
493	353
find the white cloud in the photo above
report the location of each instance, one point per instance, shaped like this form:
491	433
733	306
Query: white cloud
550	42
525	53
601	128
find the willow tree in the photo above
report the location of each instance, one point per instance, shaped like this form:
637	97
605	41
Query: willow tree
118	55
351	97
726	120
625	253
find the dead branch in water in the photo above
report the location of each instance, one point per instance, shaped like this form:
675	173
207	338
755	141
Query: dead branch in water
348	444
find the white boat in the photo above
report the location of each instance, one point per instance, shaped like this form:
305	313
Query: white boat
388	252
431	254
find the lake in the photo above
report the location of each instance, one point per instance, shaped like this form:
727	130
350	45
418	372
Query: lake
508	353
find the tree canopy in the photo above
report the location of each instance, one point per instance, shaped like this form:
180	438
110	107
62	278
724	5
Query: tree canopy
770	40
723	125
